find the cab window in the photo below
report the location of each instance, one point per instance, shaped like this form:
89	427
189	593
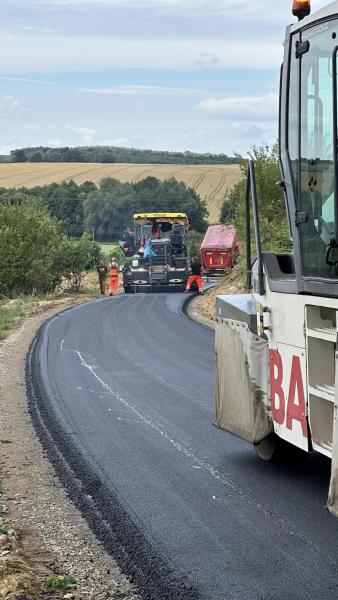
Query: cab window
315	170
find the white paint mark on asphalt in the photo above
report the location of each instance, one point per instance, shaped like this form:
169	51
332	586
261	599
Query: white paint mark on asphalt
61	345
236	492
129	420
222	478
94	392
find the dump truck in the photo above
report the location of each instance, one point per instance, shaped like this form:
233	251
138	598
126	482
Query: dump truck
276	347
161	256
219	249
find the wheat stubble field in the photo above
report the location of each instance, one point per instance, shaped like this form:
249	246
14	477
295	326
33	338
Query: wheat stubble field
212	182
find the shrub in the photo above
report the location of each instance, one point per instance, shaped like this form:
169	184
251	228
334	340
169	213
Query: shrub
30	249
76	256
271	204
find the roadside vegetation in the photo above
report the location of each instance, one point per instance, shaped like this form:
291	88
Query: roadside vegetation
271	204
47	234
272	215
35	255
11	316
112	154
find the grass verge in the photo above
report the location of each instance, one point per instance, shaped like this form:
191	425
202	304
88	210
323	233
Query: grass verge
13	312
108	248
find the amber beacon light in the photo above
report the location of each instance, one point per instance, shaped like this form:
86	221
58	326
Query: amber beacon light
301	8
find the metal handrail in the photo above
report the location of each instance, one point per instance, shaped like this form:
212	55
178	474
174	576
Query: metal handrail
251	190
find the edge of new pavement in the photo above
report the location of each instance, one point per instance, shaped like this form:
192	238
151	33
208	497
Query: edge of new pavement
109	520
51	536
191	308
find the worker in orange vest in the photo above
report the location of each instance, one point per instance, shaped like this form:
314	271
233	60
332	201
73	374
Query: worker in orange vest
195	275
113	276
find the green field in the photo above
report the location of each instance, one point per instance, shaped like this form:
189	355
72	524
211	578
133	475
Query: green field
107	248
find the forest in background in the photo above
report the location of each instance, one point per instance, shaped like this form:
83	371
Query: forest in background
47	233
107	209
114	154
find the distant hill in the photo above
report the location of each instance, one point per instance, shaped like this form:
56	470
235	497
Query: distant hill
212	183
113	154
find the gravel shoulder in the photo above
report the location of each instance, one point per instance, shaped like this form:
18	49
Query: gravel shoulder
203	308
51	535
194	311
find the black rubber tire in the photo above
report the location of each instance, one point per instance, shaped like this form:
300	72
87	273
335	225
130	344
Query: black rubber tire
274	449
268	449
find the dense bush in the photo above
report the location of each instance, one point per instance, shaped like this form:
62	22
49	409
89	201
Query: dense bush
30	249
76	257
35	255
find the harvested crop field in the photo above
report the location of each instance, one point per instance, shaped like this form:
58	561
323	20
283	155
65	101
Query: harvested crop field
212	182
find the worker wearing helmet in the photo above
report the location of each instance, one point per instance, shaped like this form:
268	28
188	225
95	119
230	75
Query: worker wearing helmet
195	275
113	276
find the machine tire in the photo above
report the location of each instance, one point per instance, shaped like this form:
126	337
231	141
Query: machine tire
268	449
129	290
274	449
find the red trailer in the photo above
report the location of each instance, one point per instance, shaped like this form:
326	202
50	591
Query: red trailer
219	249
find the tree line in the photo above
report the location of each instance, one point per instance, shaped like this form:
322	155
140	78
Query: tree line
106	210
114	154
46	233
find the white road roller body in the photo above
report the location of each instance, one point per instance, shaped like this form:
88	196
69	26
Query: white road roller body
276	347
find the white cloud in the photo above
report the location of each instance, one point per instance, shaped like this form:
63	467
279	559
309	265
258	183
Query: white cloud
121	141
144	90
263	108
71	53
27	80
196	5
242	10
11	105
207	61
56	143
87	134
249	130
33	28
5	149
31	127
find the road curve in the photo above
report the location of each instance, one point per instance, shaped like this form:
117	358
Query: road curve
121	393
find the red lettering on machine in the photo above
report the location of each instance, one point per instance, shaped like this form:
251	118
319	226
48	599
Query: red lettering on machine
294	411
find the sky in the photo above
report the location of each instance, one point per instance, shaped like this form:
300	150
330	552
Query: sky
199	75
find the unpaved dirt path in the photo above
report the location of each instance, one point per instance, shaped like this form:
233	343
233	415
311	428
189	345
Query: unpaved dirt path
53	537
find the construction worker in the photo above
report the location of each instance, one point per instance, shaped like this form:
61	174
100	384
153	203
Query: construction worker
195	275
113	276
102	271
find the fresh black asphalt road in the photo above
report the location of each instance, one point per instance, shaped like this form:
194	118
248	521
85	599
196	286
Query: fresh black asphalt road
131	380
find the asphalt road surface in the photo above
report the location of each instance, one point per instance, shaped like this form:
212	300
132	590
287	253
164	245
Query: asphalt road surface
130	382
